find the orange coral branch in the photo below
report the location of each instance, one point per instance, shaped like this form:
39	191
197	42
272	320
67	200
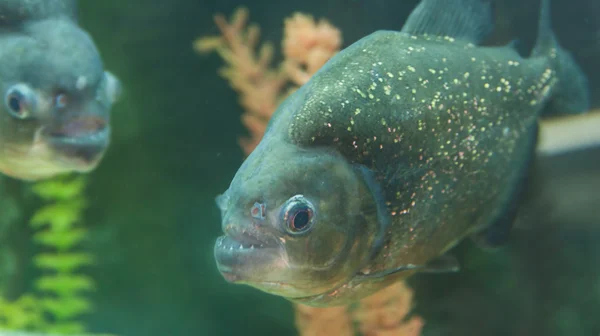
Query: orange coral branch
249	72
381	314
384	313
312	321
307	46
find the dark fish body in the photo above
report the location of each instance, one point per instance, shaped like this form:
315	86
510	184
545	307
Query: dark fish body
433	136
446	128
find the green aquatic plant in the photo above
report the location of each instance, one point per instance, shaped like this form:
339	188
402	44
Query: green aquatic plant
58	297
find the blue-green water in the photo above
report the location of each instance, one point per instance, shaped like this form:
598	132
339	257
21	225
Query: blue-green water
153	220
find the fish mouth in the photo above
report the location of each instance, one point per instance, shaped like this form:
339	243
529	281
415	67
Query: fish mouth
80	142
242	256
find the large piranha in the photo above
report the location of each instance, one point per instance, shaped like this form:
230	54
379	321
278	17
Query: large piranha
402	145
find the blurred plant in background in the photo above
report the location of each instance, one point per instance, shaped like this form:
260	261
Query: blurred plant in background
59	295
306	47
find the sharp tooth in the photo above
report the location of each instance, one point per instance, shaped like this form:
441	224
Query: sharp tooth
252	247
241	247
230	248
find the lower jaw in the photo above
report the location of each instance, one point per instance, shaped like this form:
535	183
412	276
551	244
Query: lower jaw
269	287
37	168
79	165
231	277
247	268
66	157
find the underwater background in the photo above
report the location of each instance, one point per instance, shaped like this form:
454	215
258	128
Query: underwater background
152	218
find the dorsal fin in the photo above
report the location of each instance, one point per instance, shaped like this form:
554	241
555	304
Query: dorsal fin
468	20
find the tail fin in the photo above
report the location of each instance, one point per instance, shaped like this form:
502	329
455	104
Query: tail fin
571	95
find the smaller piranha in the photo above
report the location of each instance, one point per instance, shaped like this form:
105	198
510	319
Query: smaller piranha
56	96
398	148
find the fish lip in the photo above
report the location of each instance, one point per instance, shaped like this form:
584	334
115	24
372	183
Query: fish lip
78	143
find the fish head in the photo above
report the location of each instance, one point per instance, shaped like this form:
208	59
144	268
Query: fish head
56	100
293	222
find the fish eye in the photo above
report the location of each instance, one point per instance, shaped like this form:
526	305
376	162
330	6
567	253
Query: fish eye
18	101
61	100
298	215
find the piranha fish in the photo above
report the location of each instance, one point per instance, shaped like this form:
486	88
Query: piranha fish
401	146
54	117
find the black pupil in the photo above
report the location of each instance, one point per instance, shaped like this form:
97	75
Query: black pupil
14	103
301	219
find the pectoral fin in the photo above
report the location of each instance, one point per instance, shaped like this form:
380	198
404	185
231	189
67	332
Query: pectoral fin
442	264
